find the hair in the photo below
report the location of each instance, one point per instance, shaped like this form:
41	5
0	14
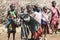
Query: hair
11	5
28	6
53	2
45	8
22	8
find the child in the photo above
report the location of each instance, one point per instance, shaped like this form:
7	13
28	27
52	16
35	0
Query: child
11	21
55	16
44	21
38	28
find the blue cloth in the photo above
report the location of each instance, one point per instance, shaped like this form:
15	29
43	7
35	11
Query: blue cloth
43	22
9	21
36	27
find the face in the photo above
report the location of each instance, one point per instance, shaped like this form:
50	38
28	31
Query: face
32	6
45	10
22	9
29	8
39	9
12	7
54	4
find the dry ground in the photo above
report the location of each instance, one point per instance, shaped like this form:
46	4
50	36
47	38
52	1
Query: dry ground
3	34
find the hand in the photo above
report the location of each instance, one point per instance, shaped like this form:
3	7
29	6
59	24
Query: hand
48	21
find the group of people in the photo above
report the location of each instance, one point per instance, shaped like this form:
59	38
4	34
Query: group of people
35	19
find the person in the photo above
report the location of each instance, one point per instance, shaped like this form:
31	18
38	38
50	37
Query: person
20	14
55	16
32	23
11	15
24	19
38	28
44	22
37	17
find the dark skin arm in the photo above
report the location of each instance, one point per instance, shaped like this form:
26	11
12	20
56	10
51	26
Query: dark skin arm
51	13
49	9
58	13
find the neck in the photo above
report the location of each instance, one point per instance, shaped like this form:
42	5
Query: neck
53	6
22	12
30	12
44	11
12	10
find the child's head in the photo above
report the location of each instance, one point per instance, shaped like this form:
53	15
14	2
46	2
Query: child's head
28	7
53	3
22	9
12	7
45	9
37	8
32	6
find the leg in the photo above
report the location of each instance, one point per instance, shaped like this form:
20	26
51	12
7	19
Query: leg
22	32
13	35
8	36
26	32
44	31
52	28
56	28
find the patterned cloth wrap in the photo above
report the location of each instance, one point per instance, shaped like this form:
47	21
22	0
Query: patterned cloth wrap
55	16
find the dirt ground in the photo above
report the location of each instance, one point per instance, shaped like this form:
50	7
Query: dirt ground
3	34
